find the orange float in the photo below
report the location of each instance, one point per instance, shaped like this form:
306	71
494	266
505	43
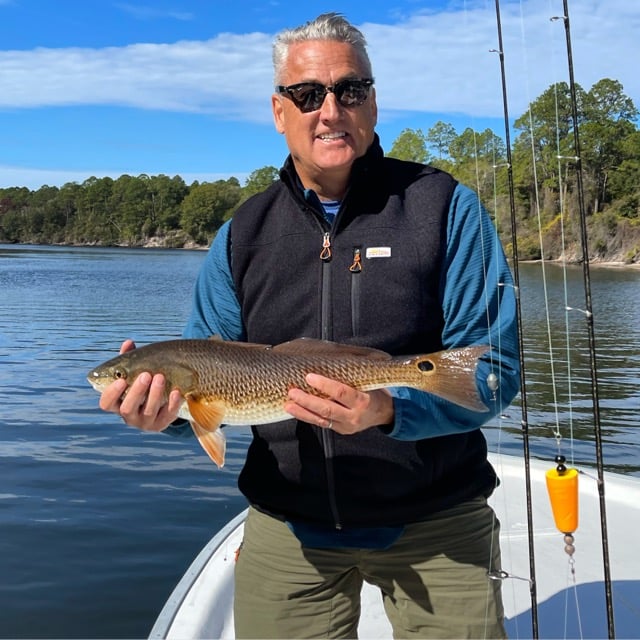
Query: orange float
562	486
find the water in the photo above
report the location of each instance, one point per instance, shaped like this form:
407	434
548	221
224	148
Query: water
557	366
98	521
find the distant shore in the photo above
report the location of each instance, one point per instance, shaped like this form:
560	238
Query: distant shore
604	264
157	242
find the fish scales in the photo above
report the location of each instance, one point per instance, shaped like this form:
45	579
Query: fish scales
223	382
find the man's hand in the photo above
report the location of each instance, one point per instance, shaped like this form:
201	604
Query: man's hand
345	409
144	405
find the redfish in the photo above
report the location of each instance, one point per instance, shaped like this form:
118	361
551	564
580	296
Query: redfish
238	383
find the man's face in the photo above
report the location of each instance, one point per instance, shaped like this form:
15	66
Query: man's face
324	143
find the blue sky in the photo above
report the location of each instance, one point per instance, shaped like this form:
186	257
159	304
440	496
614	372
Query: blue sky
106	87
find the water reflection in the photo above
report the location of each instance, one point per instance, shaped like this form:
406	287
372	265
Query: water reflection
558	363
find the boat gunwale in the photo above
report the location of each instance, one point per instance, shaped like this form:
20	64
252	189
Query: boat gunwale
171	608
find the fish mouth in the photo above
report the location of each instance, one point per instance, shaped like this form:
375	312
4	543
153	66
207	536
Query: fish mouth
97	381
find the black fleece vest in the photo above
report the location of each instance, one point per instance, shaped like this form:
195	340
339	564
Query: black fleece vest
372	279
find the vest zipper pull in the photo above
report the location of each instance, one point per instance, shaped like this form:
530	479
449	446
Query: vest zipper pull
325	254
356	267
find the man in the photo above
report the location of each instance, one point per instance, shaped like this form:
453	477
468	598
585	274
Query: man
387	486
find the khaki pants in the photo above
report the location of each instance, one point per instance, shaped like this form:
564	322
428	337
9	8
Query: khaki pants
433	580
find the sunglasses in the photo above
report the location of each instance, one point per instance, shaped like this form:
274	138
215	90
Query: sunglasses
309	96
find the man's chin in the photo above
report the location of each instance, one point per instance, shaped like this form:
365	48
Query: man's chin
335	159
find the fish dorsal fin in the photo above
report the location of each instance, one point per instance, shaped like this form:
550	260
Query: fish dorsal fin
206	420
249	345
311	346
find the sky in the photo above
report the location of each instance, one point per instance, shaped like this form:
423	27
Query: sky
183	87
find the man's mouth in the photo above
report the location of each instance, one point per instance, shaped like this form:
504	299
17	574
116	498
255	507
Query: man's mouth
336	135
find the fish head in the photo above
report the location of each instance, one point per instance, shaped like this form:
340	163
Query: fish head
129	365
118	368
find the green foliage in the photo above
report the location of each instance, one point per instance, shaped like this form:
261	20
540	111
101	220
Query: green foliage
440	138
132	209
206	207
410	145
259	180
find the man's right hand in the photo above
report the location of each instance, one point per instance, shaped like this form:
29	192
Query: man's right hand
144	406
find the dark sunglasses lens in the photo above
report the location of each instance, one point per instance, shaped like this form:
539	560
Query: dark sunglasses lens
308	97
351	93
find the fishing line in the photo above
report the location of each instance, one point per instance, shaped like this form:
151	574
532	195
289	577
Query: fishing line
516	278
536	201
590	324
563	480
492	380
562	166
565	163
563	193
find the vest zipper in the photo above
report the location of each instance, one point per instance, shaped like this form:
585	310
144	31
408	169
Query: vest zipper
326	334
355	268
325	302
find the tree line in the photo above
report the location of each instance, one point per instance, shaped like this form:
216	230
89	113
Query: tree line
131	210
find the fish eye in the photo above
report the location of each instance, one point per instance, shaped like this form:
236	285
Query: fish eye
118	373
426	365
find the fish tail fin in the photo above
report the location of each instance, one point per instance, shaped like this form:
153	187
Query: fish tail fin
451	375
206	419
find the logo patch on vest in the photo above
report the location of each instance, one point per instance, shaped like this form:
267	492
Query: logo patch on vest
378	252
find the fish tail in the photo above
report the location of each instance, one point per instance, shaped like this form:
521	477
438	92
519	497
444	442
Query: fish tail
451	375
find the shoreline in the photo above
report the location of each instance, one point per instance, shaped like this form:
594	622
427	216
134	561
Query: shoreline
603	264
161	243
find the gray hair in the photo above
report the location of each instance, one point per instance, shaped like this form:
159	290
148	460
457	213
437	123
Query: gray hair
328	26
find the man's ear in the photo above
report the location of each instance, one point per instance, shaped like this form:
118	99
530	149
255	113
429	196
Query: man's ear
278	112
374	106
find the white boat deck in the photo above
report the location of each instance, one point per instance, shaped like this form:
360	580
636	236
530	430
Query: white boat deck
201	604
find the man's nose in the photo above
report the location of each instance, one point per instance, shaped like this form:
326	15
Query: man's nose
330	107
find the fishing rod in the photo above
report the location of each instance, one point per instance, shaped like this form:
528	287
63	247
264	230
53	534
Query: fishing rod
588	312
516	277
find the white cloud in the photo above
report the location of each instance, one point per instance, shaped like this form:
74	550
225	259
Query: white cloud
441	62
436	62
225	76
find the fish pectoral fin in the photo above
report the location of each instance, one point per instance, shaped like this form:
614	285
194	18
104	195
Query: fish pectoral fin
213	442
206	420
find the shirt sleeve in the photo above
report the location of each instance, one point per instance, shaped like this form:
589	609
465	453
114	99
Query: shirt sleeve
215	309
479	304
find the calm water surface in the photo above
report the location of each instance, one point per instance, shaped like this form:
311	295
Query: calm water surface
98	521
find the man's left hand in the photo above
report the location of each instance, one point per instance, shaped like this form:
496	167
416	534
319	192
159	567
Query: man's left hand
344	409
